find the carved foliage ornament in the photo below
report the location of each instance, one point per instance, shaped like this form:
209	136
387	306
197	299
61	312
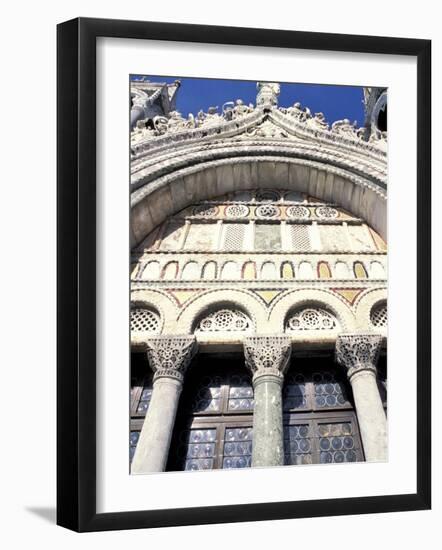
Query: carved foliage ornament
169	356
358	352
267	355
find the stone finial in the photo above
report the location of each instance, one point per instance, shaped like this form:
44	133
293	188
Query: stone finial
169	356
268	93
267	355
359	351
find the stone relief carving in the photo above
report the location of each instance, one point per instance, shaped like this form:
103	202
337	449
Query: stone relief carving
348	130
224	320
311	319
169	356
247	122
358	352
267	355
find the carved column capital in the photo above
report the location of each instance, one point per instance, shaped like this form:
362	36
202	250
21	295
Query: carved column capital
358	352
169	356
267	355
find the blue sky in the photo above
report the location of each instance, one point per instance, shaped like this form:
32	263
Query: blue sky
336	102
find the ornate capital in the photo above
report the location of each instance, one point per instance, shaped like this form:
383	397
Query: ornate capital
357	352
267	355
169	356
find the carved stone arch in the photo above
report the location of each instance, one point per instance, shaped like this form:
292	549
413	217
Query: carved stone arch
230	270
210	270
150	270
191	271
376	270
364	306
242	299
295	299
268	270
167	195
306	270
341	270
170	270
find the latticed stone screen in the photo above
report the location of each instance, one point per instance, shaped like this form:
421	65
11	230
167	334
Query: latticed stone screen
144	320
311	318
234	236
224	320
378	315
300	237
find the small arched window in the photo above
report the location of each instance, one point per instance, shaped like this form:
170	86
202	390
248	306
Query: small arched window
143	319
227	319
378	315
310	318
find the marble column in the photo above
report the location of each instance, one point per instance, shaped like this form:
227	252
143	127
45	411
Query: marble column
267	357
169	358
359	353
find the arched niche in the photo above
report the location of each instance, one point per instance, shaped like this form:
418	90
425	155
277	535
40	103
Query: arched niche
160	199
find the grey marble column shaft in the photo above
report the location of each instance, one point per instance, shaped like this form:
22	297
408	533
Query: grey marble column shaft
267	357
359	353
169	357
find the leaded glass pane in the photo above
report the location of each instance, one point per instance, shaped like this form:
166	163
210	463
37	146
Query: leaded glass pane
297	444
294	392
145	398
240	394
133	441
208	395
329	391
337	442
197	448
237	450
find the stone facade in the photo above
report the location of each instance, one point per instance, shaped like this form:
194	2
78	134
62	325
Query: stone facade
257	228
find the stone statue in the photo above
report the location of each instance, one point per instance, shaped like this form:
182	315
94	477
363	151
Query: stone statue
268	93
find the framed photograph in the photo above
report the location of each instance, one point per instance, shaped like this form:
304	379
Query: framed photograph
226	253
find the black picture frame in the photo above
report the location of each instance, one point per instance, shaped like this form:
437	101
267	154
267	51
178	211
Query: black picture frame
76	273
